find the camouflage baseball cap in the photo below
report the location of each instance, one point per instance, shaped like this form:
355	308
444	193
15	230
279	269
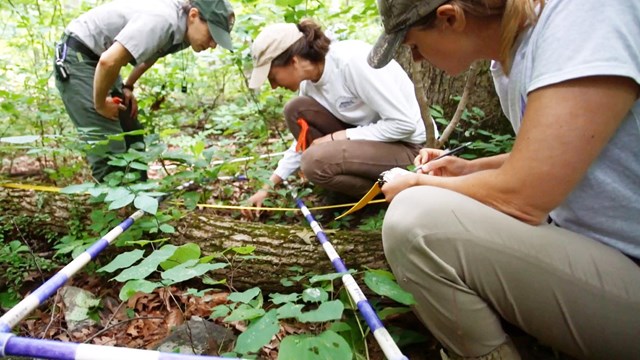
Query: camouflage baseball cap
220	18
397	17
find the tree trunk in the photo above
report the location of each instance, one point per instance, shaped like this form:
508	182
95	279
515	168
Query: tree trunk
278	247
442	89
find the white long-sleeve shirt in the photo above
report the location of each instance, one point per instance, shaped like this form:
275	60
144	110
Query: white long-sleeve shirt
381	103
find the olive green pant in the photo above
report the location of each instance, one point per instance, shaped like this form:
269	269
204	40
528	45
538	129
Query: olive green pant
347	166
77	96
468	266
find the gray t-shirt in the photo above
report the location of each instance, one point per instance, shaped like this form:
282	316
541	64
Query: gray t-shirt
148	29
575	39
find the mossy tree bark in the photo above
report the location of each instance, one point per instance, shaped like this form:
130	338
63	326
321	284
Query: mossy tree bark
278	247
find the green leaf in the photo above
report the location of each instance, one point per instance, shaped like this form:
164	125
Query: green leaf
167	229
118	162
289	310
327	311
183	254
116	193
191	199
382	285
146	203
122	202
148	265
244	312
339	326
244	250
210	281
244	297
139	166
8	299
284	298
219	311
186	271
131	287
198	293
77	189
24	139
258	334
97	191
144	186
315	295
328	345
123	261
295	268
328	277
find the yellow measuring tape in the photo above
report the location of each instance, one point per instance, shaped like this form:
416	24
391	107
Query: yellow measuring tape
31	187
211	206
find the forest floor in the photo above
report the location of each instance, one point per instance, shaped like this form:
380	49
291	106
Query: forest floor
157	313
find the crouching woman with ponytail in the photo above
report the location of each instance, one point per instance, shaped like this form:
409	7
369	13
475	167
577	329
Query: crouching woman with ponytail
351	121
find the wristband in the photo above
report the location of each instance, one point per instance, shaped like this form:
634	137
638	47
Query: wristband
125	86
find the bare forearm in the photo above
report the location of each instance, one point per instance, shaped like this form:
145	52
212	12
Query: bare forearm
273	181
488	163
137	72
106	75
495	188
107	70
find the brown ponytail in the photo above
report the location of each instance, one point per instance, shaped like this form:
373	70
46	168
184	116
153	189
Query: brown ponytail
313	46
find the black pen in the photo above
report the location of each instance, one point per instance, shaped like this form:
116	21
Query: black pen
454	151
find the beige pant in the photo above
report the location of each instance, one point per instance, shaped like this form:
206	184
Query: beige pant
347	166
468	265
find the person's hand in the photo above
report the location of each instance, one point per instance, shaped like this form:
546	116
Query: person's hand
110	108
130	101
391	188
255	200
446	166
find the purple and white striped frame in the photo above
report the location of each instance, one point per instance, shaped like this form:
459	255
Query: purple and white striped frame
388	346
50	349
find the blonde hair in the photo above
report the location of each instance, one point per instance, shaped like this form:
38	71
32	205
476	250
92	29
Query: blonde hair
516	15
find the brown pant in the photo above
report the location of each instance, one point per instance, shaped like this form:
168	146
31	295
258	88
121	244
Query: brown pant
347	166
468	265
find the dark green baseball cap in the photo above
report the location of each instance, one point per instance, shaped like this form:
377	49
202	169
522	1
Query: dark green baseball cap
220	18
397	17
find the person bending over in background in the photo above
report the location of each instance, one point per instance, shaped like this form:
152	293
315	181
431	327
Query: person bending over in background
96	45
546	237
351	122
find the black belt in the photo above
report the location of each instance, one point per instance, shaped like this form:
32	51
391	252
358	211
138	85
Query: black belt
78	46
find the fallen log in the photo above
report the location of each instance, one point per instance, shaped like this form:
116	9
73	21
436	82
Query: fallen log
277	247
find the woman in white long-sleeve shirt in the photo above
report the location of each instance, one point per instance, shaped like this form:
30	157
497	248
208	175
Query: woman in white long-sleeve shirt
351	121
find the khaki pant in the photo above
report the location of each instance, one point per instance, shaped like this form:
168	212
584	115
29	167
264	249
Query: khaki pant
468	265
346	166
77	96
